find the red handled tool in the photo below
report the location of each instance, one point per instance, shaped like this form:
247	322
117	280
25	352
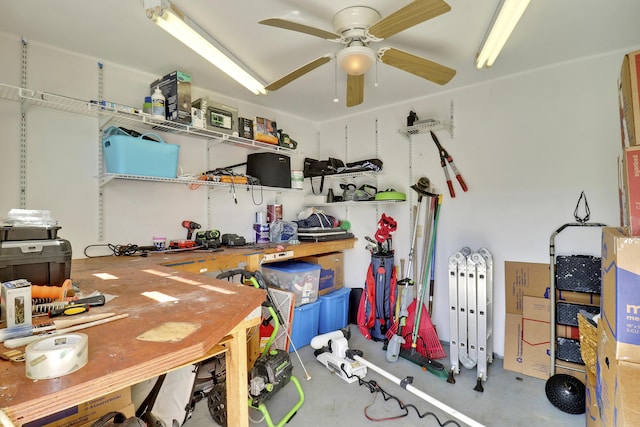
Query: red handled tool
444	158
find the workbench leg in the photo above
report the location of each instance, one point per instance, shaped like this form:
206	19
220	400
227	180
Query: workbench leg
237	378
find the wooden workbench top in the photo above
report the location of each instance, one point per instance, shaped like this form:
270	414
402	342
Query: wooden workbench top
117	358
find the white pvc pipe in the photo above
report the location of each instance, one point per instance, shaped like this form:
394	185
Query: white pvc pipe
422	395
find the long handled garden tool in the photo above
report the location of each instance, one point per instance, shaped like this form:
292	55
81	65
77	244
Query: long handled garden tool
394	334
428	334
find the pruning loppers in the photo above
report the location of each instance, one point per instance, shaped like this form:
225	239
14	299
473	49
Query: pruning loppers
444	158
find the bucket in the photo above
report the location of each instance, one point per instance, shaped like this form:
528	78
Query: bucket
297	179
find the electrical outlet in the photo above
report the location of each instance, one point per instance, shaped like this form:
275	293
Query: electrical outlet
277	256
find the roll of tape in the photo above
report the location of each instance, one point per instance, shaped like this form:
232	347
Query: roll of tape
56	356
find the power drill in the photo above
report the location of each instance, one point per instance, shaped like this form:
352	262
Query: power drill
190	226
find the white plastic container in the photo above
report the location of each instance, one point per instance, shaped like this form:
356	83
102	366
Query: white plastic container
157	105
301	278
297	179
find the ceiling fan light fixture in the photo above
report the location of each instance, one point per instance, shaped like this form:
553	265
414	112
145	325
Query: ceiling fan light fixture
507	17
356	60
186	31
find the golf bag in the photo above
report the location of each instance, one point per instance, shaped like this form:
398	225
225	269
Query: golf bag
377	304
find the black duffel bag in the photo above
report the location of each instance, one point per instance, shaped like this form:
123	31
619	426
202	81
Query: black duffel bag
314	168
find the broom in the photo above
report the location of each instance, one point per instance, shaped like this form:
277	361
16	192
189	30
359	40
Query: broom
423	336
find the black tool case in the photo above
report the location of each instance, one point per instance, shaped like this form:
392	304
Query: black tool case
41	262
13	233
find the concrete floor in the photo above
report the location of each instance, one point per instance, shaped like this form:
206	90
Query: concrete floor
509	399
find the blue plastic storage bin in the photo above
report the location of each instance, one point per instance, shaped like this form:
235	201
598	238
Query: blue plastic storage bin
301	278
305	324
128	155
334	310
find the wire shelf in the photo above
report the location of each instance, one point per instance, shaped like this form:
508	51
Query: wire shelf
122	117
190	181
425	127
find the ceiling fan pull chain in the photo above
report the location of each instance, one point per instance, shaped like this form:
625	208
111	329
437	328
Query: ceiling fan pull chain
335	82
376	83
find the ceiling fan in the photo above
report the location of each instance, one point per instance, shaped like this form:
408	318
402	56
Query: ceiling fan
358	26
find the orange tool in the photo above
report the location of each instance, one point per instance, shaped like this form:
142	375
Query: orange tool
53	292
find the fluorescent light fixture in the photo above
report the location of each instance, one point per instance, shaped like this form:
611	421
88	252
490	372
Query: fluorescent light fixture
506	20
174	23
356	60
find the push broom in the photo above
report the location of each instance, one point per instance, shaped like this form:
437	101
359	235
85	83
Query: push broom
422	329
394	333
422	336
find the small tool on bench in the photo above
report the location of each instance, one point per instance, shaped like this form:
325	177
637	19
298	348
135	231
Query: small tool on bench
67	308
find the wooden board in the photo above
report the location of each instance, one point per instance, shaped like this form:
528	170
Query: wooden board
116	358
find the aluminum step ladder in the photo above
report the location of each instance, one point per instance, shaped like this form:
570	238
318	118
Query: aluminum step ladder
471	312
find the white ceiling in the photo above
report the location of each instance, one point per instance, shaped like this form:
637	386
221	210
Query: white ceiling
118	31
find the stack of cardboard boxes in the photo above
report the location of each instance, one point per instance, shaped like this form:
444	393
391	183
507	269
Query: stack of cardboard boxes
528	321
617	382
618	360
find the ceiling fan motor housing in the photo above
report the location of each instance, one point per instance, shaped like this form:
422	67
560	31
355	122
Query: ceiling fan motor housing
353	22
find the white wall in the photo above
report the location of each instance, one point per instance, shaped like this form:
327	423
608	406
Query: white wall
63	150
526	146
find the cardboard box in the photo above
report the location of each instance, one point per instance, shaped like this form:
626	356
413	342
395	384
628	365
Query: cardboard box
245	128
266	130
621	292
617	383
85	412
16	303
513	342
629	99
176	88
630	190
524	278
331	272
216	116
592	412
128	411
536	339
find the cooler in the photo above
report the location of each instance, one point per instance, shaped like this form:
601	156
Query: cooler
41	262
301	278
334	310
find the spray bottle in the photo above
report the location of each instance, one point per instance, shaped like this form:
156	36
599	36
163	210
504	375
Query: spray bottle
157	104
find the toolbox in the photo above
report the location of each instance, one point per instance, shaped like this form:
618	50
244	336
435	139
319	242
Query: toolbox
142	156
41	262
28	233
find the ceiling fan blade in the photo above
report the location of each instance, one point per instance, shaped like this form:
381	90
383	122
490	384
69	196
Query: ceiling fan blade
412	14
355	90
301	28
298	73
421	67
